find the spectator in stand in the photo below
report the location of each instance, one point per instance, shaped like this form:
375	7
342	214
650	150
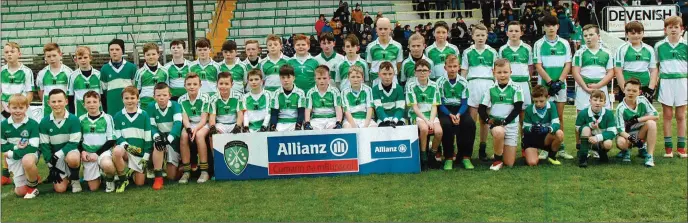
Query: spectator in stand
530	27
407	32
327	28
343	14
398	35
440	5
367	20
486	7
461	29
584	14
565	24
357	17
379	15
501	20
315	47
456	5
429	37
574	9
320	23
336	26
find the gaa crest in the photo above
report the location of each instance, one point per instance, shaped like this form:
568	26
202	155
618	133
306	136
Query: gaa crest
236	156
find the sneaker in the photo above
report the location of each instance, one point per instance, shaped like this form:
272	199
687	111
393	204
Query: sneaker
76	186
203	177
642	153
31	193
563	154
122	186
438	156
649	161
109	187
150	174
185	178
553	161
467	164
157	184
448	164
594	154
543	155
483	156
423	165
583	164
621	154
626	157
6	180
682	152
496	165
669	153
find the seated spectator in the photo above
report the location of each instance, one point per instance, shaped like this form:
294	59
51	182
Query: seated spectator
407	32
357	17
367	20
336	26
320	23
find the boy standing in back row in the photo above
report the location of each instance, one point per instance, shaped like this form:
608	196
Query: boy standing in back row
205	67
54	76
116	74
177	69
328	57
271	64
384	49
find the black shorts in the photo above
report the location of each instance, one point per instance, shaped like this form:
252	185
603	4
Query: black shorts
531	140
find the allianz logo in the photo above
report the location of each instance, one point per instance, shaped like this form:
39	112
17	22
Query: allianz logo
338	147
390	149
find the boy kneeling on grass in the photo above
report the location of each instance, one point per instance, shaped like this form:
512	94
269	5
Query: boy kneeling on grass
596	127
505	100
20	146
636	121
423	96
541	128
324	109
166	127
97	129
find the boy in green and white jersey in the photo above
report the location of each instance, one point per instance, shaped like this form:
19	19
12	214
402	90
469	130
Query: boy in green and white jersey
505	100
233	65
256	104
351	47
636	122
541	128
389	98
592	68
439	50
328	56
635	59
252	61
520	56
223	108
289	105
596	127
271	64
383	49
416	45
205	67
177	69
150	74
54	76
20	141
15	78
423	97
303	63
82	80
194	118
116	74
357	101
166	128
97	128
324	109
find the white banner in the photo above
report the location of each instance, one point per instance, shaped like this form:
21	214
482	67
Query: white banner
652	16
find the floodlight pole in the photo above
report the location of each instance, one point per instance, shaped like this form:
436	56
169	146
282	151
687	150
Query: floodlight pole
190	30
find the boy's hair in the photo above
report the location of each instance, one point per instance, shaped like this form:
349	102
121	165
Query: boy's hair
160	86
19	100
633	81
514	23
322	69
597	93
501	63
442	24
251	41
479	26
352	40
81	50
151	46
539	91
118	42
423	63
254	72
93	94
178	42
57	91
416	37
192	75
50	47
550	20
326	36
673	20
202	43
286	70
130	90
634	26
13	45
301	37
229	46
355	69
273	37
451	57
224	75
592	26
386	66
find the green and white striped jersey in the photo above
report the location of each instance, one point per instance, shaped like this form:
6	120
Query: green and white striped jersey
343	71
208	74
146	80
673	59
593	63
96	132
331	62
194	108
288	104
323	104
549	118
270	69
239	74
453	93
135	131
80	84
636	62
18	81
521	58
46	81
257	107
389	105
425	96
168	120
408	69
501	100
438	55
304	72
376	53
63	135
176	77
116	79
357	102
479	63
624	113
225	110
249	66
13	133
552	55
604	119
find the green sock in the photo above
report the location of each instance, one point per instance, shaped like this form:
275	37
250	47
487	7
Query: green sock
158	172
5	172
562	147
423	155
585	147
681	142
668	143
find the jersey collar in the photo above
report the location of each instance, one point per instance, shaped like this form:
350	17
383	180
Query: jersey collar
124	62
547	107
334	54
167	108
591	114
24	121
148	68
126	114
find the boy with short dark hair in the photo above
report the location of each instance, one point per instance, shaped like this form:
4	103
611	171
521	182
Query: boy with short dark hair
117	74
205	67
166	128
440	49
636	123
270	65
289	105
20	141
82	80
324	109
541	128
177	69
225	116
97	129
351	47
328	57
233	65
520	55
635	59
423	96
596	127
150	74
54	76
389	98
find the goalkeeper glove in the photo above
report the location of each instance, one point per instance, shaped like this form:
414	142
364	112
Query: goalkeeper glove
307	126
159	143
236	129
213	130
338	125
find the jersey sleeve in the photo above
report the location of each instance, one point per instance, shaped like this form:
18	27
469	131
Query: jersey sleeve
177	121
147	137
486	99
39	80
578	58
580	120
568	52
610	131
309	99
28	81
154	125
369	98
436	98
650	110
530	54
464	59
537	56
6	146
137	78
653	58
466	92
410	97
518	94
619	59
74	134
527	119
110	129
610	61
212	106
400	54
618	117
34	136
369	55
205	107
44	141
337	97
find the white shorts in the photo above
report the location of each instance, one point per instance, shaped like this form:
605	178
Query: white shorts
323	123
284	127
673	92
224	128
132	163
173	157
477	88
561	97
360	123
16	167
62	164
583	98
418	119
193	125
525	87
91	170
511	134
